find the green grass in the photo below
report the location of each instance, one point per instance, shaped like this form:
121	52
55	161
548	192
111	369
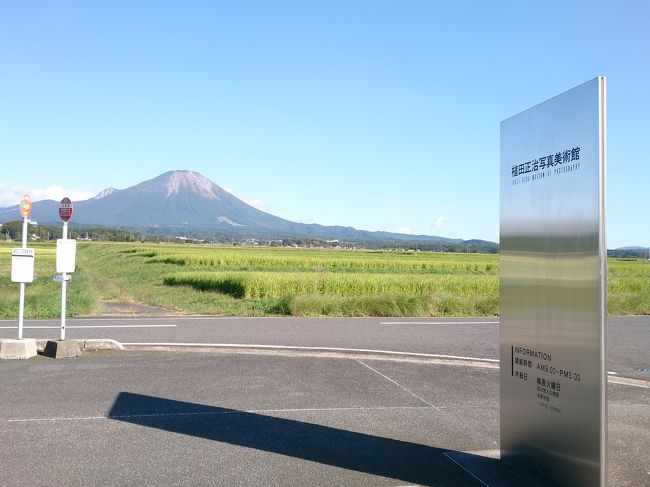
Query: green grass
251	281
120	274
43	296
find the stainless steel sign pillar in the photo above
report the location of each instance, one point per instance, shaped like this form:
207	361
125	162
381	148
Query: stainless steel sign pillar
553	289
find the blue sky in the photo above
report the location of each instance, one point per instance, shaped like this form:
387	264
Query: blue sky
378	115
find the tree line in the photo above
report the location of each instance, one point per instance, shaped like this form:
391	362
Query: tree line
13	230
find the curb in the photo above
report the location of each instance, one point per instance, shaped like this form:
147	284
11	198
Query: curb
349	353
644	384
104	344
90	345
286	350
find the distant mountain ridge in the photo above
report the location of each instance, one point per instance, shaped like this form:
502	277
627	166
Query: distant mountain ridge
185	201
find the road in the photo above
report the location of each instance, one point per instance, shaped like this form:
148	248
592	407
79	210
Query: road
628	338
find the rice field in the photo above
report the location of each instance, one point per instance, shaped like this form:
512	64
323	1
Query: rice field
334	282
338	280
253	281
278	284
314	259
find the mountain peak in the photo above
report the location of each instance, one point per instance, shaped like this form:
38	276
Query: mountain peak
177	181
105	193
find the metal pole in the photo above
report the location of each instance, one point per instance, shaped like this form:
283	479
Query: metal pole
21	306
25	232
21	299
63	287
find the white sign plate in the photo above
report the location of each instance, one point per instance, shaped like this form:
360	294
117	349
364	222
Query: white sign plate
22	265
66	250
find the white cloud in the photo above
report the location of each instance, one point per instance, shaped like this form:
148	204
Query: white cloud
405	230
10	194
441	221
257	203
254	202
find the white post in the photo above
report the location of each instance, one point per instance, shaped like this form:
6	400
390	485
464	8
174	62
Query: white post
63	287
21	306
21	300
25	232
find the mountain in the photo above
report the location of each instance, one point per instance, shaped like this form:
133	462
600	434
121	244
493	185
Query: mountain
182	202
630	252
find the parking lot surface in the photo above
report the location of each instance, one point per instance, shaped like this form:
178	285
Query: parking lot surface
127	418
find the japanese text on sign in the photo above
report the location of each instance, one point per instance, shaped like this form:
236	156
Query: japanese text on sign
546	161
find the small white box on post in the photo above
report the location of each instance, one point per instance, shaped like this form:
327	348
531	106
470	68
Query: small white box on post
22	265
66	251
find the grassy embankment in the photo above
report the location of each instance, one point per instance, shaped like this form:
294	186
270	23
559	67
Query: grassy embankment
258	281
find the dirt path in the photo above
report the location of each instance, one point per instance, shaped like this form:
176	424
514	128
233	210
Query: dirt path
132	308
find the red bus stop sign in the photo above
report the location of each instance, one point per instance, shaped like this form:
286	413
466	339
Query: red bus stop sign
65	209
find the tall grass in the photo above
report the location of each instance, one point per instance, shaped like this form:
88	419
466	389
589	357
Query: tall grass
439	304
277	284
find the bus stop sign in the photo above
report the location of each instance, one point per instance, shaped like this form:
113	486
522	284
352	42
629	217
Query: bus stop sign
25	206
65	209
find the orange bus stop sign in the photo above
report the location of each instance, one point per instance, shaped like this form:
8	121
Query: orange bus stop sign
25	206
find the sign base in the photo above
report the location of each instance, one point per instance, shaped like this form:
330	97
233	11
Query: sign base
62	349
17	349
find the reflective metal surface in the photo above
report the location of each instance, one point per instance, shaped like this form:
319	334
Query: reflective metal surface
553	289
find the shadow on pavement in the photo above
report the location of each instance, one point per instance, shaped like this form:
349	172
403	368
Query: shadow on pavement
374	455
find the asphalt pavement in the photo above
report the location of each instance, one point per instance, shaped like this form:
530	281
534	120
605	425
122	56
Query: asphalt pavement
134	418
147	418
